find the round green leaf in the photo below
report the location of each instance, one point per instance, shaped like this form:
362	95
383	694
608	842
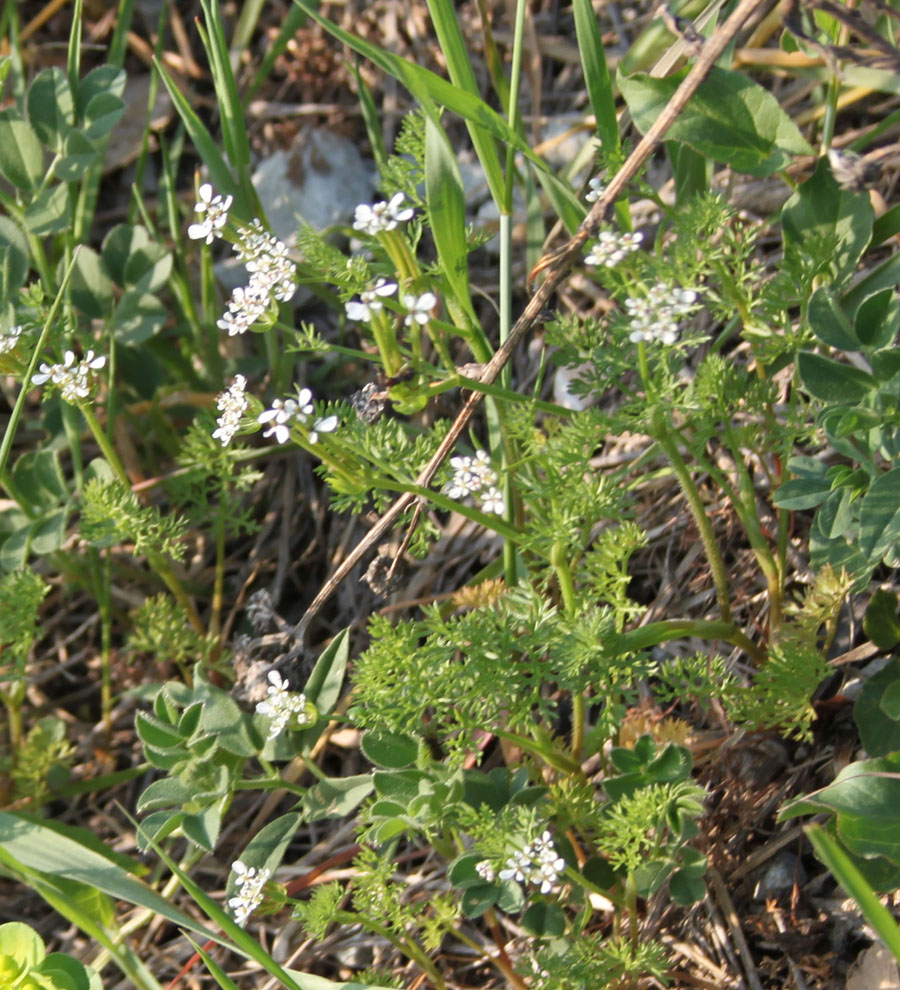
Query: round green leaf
91	286
79	153
879	516
13	258
544	920
137	317
103	79
63	972
831	380
103	112
48	213
878	319
476	900
878	732
829	322
49	533
51	107
21	152
21	943
389	749
880	623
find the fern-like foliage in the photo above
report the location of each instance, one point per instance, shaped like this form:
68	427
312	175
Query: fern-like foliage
111	514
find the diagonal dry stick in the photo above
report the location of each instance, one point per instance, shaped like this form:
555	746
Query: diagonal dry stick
556	266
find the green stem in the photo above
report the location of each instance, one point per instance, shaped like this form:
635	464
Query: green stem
10	432
663	437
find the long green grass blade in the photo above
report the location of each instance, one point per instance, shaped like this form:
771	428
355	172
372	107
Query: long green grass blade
428	87
234	129
446	205
453	45
219	172
849	877
596	74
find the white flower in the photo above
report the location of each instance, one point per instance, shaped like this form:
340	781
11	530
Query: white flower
654	317
596	189
73	380
250	883
611	248
232	403
486	871
282	705
492	501
271	270
327	425
215	215
472	475
537	864
246	307
370	301
418	308
9	339
381	216
282	413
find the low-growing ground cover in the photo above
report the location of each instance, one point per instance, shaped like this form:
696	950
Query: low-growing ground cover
450	469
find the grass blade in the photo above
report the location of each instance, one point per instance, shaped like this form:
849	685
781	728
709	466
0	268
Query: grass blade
596	74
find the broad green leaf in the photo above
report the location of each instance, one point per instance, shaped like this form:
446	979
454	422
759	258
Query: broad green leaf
878	731
462	873
879	516
829	226
446	207
104	79
137	317
38	479
119	245
48	533
835	516
336	797
880	622
324	685
223	719
830	323
878	319
203	827
148	268
14	261
157	733
63	972
102	114
51	108
14	550
389	749
267	848
48	213
832	381
544	919
79	155
801	493
168	792
91	286
730	118
476	900
21	152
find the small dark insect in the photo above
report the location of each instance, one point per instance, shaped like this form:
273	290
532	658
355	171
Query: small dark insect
387	572
853	172
369	402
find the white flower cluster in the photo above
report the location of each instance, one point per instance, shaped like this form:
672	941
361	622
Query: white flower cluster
284	412
538	864
73	380
596	188
232	404
485	869
250	883
369	302
382	216
272	273
655	316
611	248
9	339
475	476
214	211
282	705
